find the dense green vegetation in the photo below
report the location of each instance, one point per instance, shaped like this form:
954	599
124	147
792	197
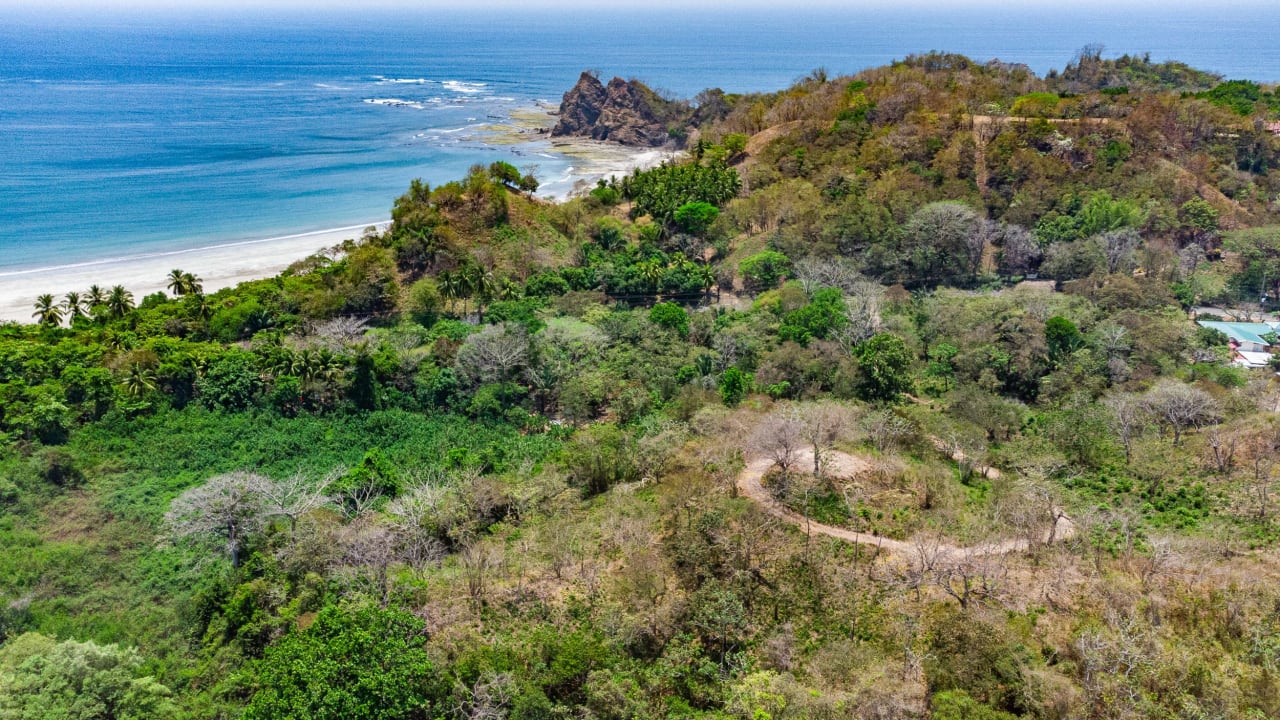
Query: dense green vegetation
487	463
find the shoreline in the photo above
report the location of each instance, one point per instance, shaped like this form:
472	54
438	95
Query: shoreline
218	266
225	264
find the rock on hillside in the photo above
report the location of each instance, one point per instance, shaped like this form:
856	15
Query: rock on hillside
624	112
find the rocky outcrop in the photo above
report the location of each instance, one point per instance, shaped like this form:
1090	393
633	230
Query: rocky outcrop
624	112
580	107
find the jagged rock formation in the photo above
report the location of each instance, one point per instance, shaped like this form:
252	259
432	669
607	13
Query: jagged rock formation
624	112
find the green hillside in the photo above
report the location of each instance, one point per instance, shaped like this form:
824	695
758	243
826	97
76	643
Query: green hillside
884	402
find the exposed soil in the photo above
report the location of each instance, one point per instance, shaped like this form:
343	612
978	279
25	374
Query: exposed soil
845	465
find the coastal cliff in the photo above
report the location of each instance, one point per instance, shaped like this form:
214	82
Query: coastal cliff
625	112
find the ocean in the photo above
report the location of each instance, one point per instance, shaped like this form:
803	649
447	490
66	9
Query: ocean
129	134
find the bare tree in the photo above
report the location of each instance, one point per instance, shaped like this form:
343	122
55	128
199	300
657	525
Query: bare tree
927	547
862	304
1221	450
951	234
1118	247
966	452
1159	561
780	437
296	496
730	347
1113	659
439	507
1180	407
886	429
1189	259
229	507
415	518
338	333
494	354
1129	414
359	499
488	698
1019	251
816	272
822	424
1261	482
1042	497
368	548
479	561
1114	340
970	576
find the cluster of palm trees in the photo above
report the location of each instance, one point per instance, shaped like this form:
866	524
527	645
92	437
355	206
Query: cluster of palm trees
115	303
320	370
184	283
109	304
472	281
654	271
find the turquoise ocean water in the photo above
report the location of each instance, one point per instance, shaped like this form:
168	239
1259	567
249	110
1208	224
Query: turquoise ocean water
121	135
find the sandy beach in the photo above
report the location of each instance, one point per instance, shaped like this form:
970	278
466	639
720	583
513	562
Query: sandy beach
226	264
218	266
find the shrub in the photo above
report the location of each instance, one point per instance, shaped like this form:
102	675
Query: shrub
545	284
884	366
695	218
424	302
599	457
365	663
230	383
734	386
763	271
670	316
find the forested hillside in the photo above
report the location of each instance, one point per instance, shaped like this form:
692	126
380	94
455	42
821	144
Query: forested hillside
885	402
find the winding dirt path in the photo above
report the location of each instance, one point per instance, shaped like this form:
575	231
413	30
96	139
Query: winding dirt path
845	465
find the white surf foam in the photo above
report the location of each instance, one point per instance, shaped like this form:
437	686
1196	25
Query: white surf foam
395	102
469	88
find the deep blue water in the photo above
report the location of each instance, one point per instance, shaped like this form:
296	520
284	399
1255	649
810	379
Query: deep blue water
126	134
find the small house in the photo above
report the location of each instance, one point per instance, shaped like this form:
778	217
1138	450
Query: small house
1251	343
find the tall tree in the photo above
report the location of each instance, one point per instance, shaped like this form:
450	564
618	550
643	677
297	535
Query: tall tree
350	663
48	312
139	380
95	297
177	282
69	680
119	302
74	303
227	507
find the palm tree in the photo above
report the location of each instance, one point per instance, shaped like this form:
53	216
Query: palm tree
139	380
47	311
74	304
201	307
177	282
652	271
509	290
119	302
117	341
705	276
469	284
95	297
192	283
486	288
450	285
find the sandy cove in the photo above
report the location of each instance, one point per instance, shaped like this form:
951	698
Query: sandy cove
218	266
227	264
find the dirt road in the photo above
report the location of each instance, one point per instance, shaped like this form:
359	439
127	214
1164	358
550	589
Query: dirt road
845	465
